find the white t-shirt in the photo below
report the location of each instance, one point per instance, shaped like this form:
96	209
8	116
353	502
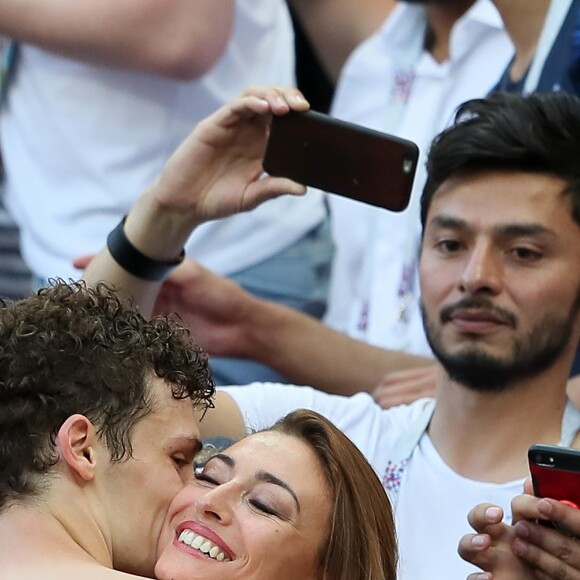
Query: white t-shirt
431	514
374	290
81	142
433	500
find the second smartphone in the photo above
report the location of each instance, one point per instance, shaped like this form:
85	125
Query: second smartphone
555	473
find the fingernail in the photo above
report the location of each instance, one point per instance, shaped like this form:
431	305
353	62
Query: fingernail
545	507
478	541
298	99
522	529
493	513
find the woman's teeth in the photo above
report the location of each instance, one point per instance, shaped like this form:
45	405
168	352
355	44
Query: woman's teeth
203	545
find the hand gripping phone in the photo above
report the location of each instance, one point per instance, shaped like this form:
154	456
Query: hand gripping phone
556	473
338	157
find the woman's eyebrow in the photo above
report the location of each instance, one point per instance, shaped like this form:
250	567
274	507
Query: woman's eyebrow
270	478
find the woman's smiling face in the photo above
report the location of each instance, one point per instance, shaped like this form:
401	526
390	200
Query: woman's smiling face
258	511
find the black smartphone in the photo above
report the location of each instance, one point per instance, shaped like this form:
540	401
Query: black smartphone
343	158
555	473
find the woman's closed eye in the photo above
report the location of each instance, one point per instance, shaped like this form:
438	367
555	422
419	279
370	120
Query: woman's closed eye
263	507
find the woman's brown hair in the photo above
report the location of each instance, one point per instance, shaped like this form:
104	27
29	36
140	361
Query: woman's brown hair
361	542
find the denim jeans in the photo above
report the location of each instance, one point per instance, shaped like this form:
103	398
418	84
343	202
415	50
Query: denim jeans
299	277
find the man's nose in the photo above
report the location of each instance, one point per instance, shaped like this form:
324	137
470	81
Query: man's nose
483	271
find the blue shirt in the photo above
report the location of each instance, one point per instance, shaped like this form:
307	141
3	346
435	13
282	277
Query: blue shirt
561	70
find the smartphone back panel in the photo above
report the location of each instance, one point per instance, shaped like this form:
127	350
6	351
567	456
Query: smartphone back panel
342	158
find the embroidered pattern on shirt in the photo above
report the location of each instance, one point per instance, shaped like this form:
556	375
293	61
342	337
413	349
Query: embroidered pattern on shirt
394	475
402	84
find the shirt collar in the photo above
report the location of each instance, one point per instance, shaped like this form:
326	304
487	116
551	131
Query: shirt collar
405	18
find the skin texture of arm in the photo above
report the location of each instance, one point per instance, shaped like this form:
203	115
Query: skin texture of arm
229	321
182	39
336	27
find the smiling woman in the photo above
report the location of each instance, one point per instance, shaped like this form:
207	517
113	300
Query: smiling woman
282	504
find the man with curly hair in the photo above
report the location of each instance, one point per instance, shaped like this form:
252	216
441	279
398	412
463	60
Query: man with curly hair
97	432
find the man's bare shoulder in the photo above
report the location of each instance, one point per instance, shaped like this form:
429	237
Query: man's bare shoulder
64	571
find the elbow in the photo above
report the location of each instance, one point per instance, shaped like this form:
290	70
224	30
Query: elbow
186	66
194	56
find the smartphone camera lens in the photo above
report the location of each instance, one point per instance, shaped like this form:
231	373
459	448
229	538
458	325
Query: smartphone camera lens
545	460
407	165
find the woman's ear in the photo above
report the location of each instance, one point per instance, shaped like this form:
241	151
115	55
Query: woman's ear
77	440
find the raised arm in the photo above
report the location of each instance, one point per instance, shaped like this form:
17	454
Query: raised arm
215	172
180	39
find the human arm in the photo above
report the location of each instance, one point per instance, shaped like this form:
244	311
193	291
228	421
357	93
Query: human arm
228	321
336	27
181	39
216	172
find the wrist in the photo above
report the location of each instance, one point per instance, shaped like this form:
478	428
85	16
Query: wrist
136	263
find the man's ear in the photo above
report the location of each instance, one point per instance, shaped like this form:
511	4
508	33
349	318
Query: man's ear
77	440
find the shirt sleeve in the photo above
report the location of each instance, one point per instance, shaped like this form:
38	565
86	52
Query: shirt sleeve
372	429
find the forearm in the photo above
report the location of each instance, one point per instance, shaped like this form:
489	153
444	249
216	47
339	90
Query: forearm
308	352
336	27
182	38
214	173
156	232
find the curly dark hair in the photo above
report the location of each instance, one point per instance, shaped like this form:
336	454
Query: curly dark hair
71	349
505	131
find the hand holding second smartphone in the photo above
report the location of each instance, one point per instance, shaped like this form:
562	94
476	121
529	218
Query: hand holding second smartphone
555	474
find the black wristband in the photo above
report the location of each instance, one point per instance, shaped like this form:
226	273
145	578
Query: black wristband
132	260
